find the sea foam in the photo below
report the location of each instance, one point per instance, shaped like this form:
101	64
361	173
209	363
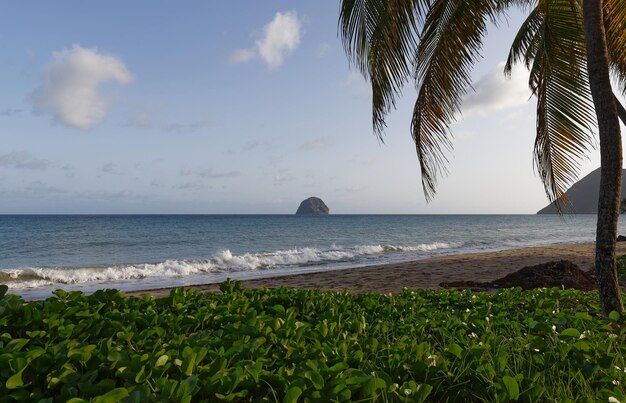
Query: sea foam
224	261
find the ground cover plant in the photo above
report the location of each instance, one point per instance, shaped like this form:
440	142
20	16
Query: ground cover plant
299	345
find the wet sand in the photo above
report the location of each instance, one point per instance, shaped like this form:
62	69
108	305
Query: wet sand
427	273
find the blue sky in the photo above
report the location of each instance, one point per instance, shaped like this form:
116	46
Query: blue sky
233	107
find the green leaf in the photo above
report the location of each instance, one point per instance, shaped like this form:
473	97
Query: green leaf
372	386
139	378
614	316
112	396
583	316
315	378
582	346
15	381
355	380
161	360
17	344
570	333
114	356
422	393
455	350
292	395
511	387
340	366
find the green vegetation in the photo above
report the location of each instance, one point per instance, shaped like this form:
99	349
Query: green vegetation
297	345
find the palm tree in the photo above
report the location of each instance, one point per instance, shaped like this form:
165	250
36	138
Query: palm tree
570	48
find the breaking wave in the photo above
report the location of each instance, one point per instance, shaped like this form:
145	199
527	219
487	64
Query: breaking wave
224	261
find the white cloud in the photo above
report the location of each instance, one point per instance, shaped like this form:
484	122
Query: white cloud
194	186
320	143
323	49
110	196
281	36
280	179
143	120
184	127
264	145
208	173
23	160
70	87
111	168
10	111
352	189
495	92
40	187
358	85
242	55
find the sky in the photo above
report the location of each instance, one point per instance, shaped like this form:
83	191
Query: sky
238	107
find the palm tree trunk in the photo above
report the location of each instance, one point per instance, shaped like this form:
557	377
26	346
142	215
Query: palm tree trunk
610	156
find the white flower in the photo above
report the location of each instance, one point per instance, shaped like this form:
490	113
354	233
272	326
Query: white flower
613	400
432	360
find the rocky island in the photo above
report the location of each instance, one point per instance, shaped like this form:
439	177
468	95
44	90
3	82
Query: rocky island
313	206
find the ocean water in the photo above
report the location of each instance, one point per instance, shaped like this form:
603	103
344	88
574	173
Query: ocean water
39	254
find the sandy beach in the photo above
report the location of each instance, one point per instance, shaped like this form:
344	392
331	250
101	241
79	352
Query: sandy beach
427	273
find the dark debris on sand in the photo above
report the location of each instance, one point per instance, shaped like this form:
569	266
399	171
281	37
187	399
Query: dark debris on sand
561	274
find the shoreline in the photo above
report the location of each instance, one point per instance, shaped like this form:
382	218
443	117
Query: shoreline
424	273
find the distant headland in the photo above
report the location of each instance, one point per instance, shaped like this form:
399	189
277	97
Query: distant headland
583	195
313	206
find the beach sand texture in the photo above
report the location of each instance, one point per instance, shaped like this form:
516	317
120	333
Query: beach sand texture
427	273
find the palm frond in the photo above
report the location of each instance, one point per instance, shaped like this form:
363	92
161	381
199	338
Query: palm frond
615	28
450	44
552	43
524	45
380	38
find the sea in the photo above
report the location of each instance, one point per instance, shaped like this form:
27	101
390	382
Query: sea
41	253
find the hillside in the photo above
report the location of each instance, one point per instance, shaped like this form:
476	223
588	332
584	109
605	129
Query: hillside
584	195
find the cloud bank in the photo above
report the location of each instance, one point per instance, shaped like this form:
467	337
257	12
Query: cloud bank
495	92
281	36
70	87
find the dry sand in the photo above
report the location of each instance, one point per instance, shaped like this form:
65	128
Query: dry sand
427	273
